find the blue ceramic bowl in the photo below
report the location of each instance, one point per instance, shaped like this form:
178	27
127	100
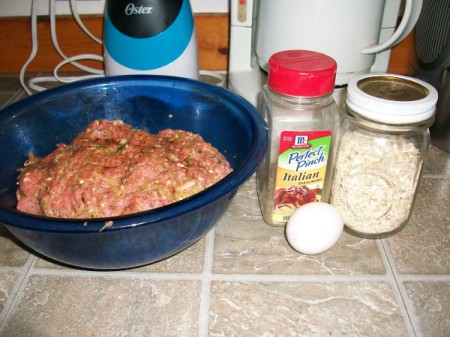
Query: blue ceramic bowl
37	123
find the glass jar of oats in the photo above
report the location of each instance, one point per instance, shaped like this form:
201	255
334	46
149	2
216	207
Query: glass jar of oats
383	143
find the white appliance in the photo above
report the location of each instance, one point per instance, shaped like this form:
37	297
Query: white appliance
150	37
358	34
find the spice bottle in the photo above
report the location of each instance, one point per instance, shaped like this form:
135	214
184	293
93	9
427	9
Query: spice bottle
303	120
384	140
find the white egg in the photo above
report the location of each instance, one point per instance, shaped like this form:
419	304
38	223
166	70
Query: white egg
314	228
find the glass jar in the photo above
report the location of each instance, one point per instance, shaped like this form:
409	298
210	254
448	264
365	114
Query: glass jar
303	121
383	143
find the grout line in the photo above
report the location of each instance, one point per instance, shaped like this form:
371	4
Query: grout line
208	276
17	290
423	278
297	278
12	98
115	274
205	296
435	176
392	274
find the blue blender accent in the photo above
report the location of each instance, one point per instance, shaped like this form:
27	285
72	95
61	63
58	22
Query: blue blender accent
150	36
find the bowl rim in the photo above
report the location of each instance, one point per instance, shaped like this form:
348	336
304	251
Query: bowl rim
223	188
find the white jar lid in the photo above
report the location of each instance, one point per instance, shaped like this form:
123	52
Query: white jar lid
392	99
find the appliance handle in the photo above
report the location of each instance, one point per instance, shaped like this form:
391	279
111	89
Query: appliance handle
410	16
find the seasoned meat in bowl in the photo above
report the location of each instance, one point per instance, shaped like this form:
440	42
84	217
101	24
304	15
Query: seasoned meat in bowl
149	103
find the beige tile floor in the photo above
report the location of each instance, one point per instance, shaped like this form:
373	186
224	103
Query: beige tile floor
243	279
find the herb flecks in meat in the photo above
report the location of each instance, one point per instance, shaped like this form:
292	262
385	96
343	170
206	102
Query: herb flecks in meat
111	169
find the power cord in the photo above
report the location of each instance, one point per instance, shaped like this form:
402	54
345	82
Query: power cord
73	6
71	60
34	83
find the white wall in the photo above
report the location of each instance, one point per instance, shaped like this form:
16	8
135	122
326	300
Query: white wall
10	8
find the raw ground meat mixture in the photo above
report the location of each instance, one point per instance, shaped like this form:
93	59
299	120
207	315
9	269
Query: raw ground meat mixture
111	169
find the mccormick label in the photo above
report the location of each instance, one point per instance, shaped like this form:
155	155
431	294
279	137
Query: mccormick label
302	163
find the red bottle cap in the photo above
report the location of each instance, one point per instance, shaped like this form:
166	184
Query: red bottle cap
302	73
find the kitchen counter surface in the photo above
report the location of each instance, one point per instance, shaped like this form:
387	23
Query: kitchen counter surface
243	279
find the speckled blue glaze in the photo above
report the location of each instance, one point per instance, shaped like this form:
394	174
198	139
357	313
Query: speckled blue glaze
37	123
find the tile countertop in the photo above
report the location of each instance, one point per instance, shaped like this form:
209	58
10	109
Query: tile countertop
243	279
